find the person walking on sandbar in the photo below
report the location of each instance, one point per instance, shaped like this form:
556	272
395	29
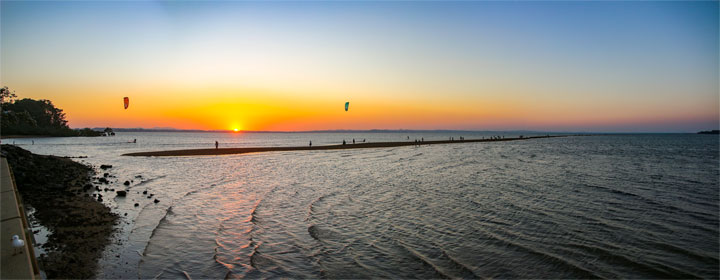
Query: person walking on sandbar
310	143
216	145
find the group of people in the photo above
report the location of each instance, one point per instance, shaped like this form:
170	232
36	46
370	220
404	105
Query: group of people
421	140
344	141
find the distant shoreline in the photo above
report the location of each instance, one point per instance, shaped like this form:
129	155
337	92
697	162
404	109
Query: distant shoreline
231	151
26	136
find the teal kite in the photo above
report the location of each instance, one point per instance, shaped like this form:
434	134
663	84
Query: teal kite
347	104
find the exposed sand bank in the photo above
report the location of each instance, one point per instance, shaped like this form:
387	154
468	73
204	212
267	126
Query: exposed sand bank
228	151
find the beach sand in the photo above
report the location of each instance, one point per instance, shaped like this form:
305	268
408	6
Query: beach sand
229	151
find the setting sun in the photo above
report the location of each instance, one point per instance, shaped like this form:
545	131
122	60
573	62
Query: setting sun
307	139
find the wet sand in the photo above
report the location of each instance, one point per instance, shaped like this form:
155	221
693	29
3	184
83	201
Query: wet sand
229	151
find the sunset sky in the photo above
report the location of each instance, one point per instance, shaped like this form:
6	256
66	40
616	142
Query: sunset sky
552	66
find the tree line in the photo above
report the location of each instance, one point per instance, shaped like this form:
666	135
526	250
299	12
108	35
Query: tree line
35	117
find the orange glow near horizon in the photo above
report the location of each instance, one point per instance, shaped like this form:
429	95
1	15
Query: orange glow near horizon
251	110
247	66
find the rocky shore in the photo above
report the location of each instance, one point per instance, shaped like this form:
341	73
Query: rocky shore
59	191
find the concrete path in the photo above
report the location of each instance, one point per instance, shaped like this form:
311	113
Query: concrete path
12	222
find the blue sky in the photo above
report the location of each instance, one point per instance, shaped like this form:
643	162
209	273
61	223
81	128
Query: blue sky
559	65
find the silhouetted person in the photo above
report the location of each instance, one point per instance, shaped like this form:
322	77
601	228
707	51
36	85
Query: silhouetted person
310	143
343	141
353	140
134	140
408	138
33	142
216	145
422	139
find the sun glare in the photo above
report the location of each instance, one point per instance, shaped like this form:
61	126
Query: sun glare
236	130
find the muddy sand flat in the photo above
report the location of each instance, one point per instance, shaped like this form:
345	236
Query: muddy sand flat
230	151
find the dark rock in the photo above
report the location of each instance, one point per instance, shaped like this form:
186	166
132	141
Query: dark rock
156	200
103	180
137	204
105	166
106	174
127	183
105	189
145	192
121	193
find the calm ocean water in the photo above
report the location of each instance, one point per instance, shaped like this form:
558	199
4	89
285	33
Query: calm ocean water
616	206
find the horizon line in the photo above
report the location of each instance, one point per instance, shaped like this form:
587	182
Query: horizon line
375	130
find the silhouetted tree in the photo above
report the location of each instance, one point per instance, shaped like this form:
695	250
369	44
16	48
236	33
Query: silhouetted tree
31	117
43	111
6	96
35	117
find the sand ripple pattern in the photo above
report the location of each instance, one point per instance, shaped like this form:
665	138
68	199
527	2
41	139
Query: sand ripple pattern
626	206
594	207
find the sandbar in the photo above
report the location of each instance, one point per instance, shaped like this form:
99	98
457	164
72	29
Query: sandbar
245	150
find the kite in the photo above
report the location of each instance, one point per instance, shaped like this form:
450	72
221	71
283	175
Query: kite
347	104
127	102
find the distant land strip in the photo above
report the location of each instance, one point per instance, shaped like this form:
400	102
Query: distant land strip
229	151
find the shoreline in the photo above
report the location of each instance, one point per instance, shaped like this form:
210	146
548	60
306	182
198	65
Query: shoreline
26	136
232	151
59	190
